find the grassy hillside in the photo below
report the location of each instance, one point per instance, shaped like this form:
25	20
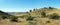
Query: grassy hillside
42	16
37	12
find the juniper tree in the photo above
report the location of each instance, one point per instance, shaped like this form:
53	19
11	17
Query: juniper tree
30	10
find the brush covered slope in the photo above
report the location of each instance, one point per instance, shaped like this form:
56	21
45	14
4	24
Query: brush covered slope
42	16
41	11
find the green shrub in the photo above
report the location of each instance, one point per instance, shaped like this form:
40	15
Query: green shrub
51	8
4	17
14	19
30	10
48	22
10	17
43	14
0	17
30	18
54	16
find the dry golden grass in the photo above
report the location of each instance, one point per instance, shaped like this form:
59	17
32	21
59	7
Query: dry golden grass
8	22
39	21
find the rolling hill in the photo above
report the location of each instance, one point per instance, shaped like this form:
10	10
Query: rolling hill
42	16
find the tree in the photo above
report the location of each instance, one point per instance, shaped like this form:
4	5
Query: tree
34	9
51	8
30	10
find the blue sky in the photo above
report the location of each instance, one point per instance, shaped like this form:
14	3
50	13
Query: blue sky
25	5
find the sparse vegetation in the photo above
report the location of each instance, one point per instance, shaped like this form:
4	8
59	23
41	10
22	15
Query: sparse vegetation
30	10
34	9
30	18
48	22
51	8
43	14
14	19
0	17
31	15
4	17
54	16
31	23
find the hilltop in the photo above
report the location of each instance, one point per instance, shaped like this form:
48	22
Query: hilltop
37	12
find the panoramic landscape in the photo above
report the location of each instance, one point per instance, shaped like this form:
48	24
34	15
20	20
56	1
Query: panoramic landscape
29	12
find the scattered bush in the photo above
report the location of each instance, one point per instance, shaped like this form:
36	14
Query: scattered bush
0	17
47	21
14	19
30	18
30	10
51	8
4	17
43	14
54	16
34	9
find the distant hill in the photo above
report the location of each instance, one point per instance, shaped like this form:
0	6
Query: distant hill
4	13
16	12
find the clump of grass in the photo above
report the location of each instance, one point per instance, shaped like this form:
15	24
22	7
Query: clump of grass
54	16
31	23
48	22
30	18
14	19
